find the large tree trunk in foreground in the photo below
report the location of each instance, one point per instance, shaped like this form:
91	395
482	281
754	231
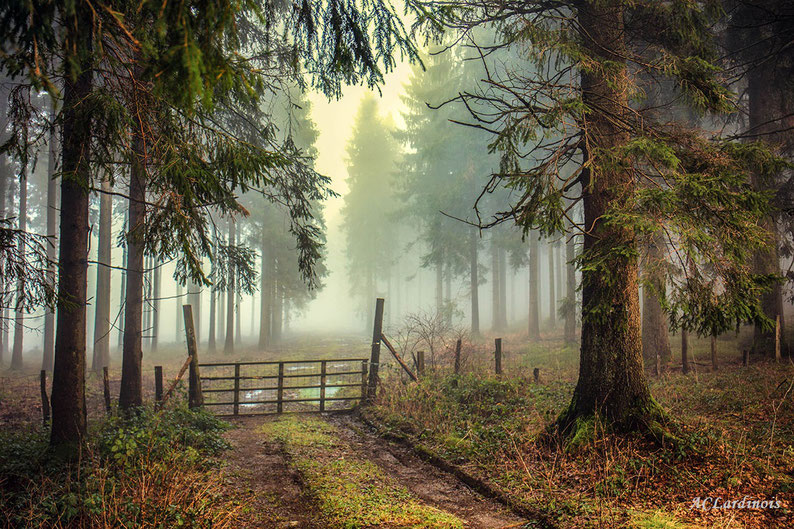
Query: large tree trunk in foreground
534	302
104	260
766	107
48	352
131	394
474	286
612	380
68	377
19	316
655	334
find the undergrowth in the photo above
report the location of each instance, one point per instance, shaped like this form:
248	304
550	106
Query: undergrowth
152	470
737	424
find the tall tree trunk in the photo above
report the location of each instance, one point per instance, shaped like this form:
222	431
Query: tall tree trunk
123	291
52	247
765	111
655	334
534	284
278	312
238	331
131	394
180	321
68	377
19	316
684	351
264	298
5	179
104	261
502	289
228	347
552	289
194	299
570	288
496	289
474	284
156	287
439	286
612	380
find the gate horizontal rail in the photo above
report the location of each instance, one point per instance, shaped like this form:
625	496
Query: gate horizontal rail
286	394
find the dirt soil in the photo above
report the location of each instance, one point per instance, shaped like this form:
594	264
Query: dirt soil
258	470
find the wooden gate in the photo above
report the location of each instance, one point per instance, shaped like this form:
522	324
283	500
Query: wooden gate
255	388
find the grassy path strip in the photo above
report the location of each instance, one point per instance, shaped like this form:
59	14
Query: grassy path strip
351	491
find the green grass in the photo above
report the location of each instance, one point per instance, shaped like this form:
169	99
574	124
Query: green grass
351	492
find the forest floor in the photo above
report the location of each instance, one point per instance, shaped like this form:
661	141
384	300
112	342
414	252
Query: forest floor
371	470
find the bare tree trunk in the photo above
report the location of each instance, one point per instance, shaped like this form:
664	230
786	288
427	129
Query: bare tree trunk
5	179
264	298
570	289
123	291
278	312
474	284
655	334
131	394
534	284
68	377
52	245
103	272
19	316
228	347
552	290
684	351
496	289
765	111
180	322
156	284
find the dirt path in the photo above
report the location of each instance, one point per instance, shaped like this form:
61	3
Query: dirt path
259	474
426	482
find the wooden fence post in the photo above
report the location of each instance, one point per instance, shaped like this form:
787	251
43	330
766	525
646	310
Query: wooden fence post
374	361
195	396
363	380
236	388
536	375
457	357
420	363
158	384
714	365
322	385
498	356
280	393
45	401
106	388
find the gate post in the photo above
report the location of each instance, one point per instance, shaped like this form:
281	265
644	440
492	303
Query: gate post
374	361
195	397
